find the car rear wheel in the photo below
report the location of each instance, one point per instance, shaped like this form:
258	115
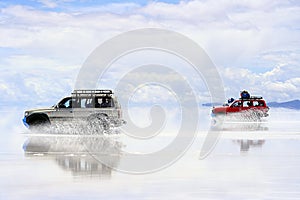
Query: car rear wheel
98	123
257	115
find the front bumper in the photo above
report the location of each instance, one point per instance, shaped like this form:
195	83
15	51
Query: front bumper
25	122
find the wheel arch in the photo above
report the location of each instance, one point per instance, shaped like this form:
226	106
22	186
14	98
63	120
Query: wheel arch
37	116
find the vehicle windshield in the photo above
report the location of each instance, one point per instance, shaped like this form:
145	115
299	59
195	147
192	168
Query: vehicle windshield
236	104
65	103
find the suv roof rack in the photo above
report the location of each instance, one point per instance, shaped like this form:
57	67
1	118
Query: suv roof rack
77	93
252	97
92	92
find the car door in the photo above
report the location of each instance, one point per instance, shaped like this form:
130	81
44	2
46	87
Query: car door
247	105
63	111
236	106
85	107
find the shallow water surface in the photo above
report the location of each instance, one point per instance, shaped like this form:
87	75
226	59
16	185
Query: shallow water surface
258	160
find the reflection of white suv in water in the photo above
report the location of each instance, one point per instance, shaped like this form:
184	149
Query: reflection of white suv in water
96	107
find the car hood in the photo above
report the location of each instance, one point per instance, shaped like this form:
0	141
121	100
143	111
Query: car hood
40	110
220	108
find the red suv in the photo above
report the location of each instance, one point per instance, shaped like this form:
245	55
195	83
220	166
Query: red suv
249	104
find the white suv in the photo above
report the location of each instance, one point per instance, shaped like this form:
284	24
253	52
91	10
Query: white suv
96	107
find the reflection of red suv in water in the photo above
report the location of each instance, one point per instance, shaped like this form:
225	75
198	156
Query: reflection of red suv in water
246	104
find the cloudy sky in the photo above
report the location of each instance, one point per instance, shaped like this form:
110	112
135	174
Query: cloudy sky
43	43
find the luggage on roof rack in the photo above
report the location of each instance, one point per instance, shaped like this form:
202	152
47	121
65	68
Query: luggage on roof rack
245	95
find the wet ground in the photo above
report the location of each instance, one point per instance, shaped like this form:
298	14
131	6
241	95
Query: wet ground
252	160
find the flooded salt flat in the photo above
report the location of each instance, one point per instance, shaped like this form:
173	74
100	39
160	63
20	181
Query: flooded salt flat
252	160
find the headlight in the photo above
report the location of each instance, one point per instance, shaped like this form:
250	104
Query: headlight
26	113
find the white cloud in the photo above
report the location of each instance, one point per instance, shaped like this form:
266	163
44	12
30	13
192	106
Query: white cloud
277	84
213	24
281	86
236	34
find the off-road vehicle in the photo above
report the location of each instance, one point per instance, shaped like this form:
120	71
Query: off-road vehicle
248	106
95	107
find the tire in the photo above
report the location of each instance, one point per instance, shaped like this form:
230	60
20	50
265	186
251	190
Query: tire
257	116
38	123
98	122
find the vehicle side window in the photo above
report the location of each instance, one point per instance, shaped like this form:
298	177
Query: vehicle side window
261	103
65	103
98	102
247	104
258	103
89	103
237	104
106	102
82	103
86	102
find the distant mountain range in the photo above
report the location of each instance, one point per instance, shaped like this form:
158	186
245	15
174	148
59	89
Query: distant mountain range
211	104
295	104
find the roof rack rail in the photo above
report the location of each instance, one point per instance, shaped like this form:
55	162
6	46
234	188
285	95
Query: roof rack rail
92	92
256	97
253	97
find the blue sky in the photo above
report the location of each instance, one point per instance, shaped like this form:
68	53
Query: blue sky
59	5
43	43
